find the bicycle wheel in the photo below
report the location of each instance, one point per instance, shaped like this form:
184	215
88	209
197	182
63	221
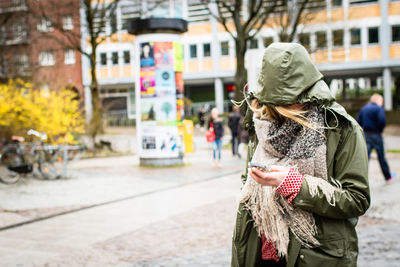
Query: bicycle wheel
7	176
49	170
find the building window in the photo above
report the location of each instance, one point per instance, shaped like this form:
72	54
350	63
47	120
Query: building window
22	63
103	59
193	51
321	40
267	41
336	3
69	57
395	33
19	32
18	3
362	1
46	58
304	39
225	48
114	58
337	36
355	36
45	25
127	57
68	23
254	44
207	50
373	35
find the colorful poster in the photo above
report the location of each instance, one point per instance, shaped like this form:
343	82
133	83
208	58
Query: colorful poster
179	109
179	82
147	109
166	109
147	82
163	54
178	56
146	55
165	82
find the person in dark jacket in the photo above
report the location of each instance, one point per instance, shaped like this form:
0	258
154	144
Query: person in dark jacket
217	125
233	124
243	137
373	120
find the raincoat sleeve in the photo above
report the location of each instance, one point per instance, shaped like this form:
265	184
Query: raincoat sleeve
350	196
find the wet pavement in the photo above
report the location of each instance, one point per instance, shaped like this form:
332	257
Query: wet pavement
158	216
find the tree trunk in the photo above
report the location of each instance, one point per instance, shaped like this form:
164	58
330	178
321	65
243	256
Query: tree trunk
241	73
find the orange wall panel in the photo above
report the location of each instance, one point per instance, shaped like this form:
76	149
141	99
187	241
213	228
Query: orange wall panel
115	72
374	52
321	56
127	71
114	38
207	65
230	26
356	54
338	55
364	12
193	66
337	14
394	8
127	38
199	29
394	51
225	64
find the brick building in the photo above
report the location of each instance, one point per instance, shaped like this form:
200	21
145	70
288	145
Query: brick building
36	45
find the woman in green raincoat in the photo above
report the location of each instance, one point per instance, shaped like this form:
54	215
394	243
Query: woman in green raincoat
299	206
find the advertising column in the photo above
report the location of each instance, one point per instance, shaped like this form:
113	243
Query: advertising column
159	98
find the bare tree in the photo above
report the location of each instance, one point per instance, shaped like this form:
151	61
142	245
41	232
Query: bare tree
97	16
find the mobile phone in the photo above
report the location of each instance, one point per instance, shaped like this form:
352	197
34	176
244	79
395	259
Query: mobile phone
258	165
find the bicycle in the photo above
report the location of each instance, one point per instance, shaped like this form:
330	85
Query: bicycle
19	159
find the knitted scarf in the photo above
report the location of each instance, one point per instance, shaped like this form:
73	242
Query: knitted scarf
287	144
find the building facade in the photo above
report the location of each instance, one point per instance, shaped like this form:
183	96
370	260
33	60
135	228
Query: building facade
356	44
33	44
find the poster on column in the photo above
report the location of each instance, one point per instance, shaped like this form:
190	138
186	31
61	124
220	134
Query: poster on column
147	82
178	56
146	55
166	109
163	54
165	82
167	141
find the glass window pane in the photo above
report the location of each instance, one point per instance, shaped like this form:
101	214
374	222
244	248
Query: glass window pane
373	35
103	59
225	48
114	58
336	3
304	39
207	50
337	38
254	44
355	36
267	41
193	51
127	57
321	40
396	33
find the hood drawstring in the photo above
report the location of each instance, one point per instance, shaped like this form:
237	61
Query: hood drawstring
325	108
245	99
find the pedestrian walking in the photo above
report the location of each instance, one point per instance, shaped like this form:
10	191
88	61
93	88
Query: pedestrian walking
216	124
201	116
302	206
243	138
372	119
233	123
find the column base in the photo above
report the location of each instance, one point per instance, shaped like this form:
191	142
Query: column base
161	162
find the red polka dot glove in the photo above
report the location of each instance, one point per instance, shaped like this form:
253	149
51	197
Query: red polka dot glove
290	186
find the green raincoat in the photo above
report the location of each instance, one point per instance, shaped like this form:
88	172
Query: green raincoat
288	77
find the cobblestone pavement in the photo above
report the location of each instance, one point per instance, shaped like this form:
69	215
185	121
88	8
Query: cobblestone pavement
179	217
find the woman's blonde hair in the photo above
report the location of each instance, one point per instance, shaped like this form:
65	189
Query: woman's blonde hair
281	113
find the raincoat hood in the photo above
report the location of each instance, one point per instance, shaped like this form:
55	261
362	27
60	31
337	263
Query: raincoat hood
288	76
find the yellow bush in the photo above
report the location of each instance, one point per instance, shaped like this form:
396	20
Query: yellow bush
55	113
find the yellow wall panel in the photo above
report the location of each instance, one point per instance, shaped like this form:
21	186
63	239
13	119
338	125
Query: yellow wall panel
127	71
225	64
337	14
374	52
394	51
102	72
193	66
356	54
114	38
115	72
321	56
316	17
338	55
198	29
207	65
364	11
394	8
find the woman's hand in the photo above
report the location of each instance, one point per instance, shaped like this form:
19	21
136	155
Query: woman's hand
273	178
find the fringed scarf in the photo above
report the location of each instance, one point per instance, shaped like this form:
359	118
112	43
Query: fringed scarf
287	144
